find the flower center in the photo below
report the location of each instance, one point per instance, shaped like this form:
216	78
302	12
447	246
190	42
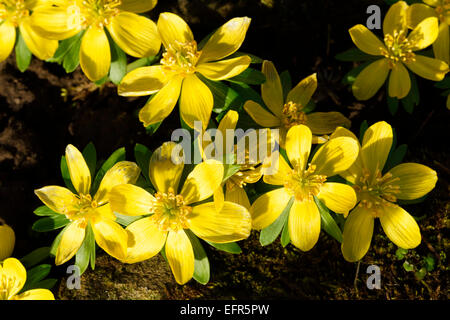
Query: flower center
304	184
443	11
376	192
170	211
85	13
292	115
13	11
182	59
399	48
7	283
85	207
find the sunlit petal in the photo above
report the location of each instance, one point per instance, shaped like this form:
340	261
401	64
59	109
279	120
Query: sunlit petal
268	207
304	224
180	255
357	235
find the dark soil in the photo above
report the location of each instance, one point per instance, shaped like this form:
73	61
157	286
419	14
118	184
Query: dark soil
43	109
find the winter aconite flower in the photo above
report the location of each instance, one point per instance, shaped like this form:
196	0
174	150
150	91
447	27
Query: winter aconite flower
440	9
7	240
397	54
12	279
134	34
83	208
378	192
302	181
182	62
170	212
286	114
16	14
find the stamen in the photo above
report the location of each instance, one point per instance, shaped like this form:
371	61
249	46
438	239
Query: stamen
304	185
182	58
93	12
398	48
170	211
292	115
13	11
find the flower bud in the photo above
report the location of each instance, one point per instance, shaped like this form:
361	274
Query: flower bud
7	240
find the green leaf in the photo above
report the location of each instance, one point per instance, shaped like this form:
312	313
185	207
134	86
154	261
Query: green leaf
250	76
66	175
393	104
269	234
118	63
50	223
23	54
90	156
286	83
350	77
38	273
407	266
44	211
246	92
118	155
413	97
142	62
83	254
201	266
429	263
44	284
354	54
101	81
255	59
224	96
231	247
142	155
443	84
126	220
400	253
71	59
35	257
230	170
327	222
151	129
421	273
64	47
55	244
285	236
396	157
362	129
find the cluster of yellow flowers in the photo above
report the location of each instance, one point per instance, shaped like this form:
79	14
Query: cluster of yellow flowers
207	202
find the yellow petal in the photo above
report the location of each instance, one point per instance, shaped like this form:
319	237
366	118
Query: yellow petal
95	54
260	115
180	255
326	122
196	101
366	40
145	240
268	207
224	69
162	103
143	81
433	3
335	156
428	68
138	6
36	294
226	40
417	12
13	269
376	145
105	212
279	170
42	48
441	47
52	20
415	180
71	241
424	34
396	18
130	200
370	79
271	90
399	82
58	199
78	169
111	237
298	146
357	235
136	35
219	198
7	39
232	223
201	183
122	172
228	121
400	227
173	30
304	224
165	170
7	240
238	195
338	197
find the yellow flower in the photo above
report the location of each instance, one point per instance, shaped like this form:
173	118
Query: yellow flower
378	192
397	51
134	34
302	181
286	114
440	9
16	14
176	76
82	208
12	279
172	212
7	240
